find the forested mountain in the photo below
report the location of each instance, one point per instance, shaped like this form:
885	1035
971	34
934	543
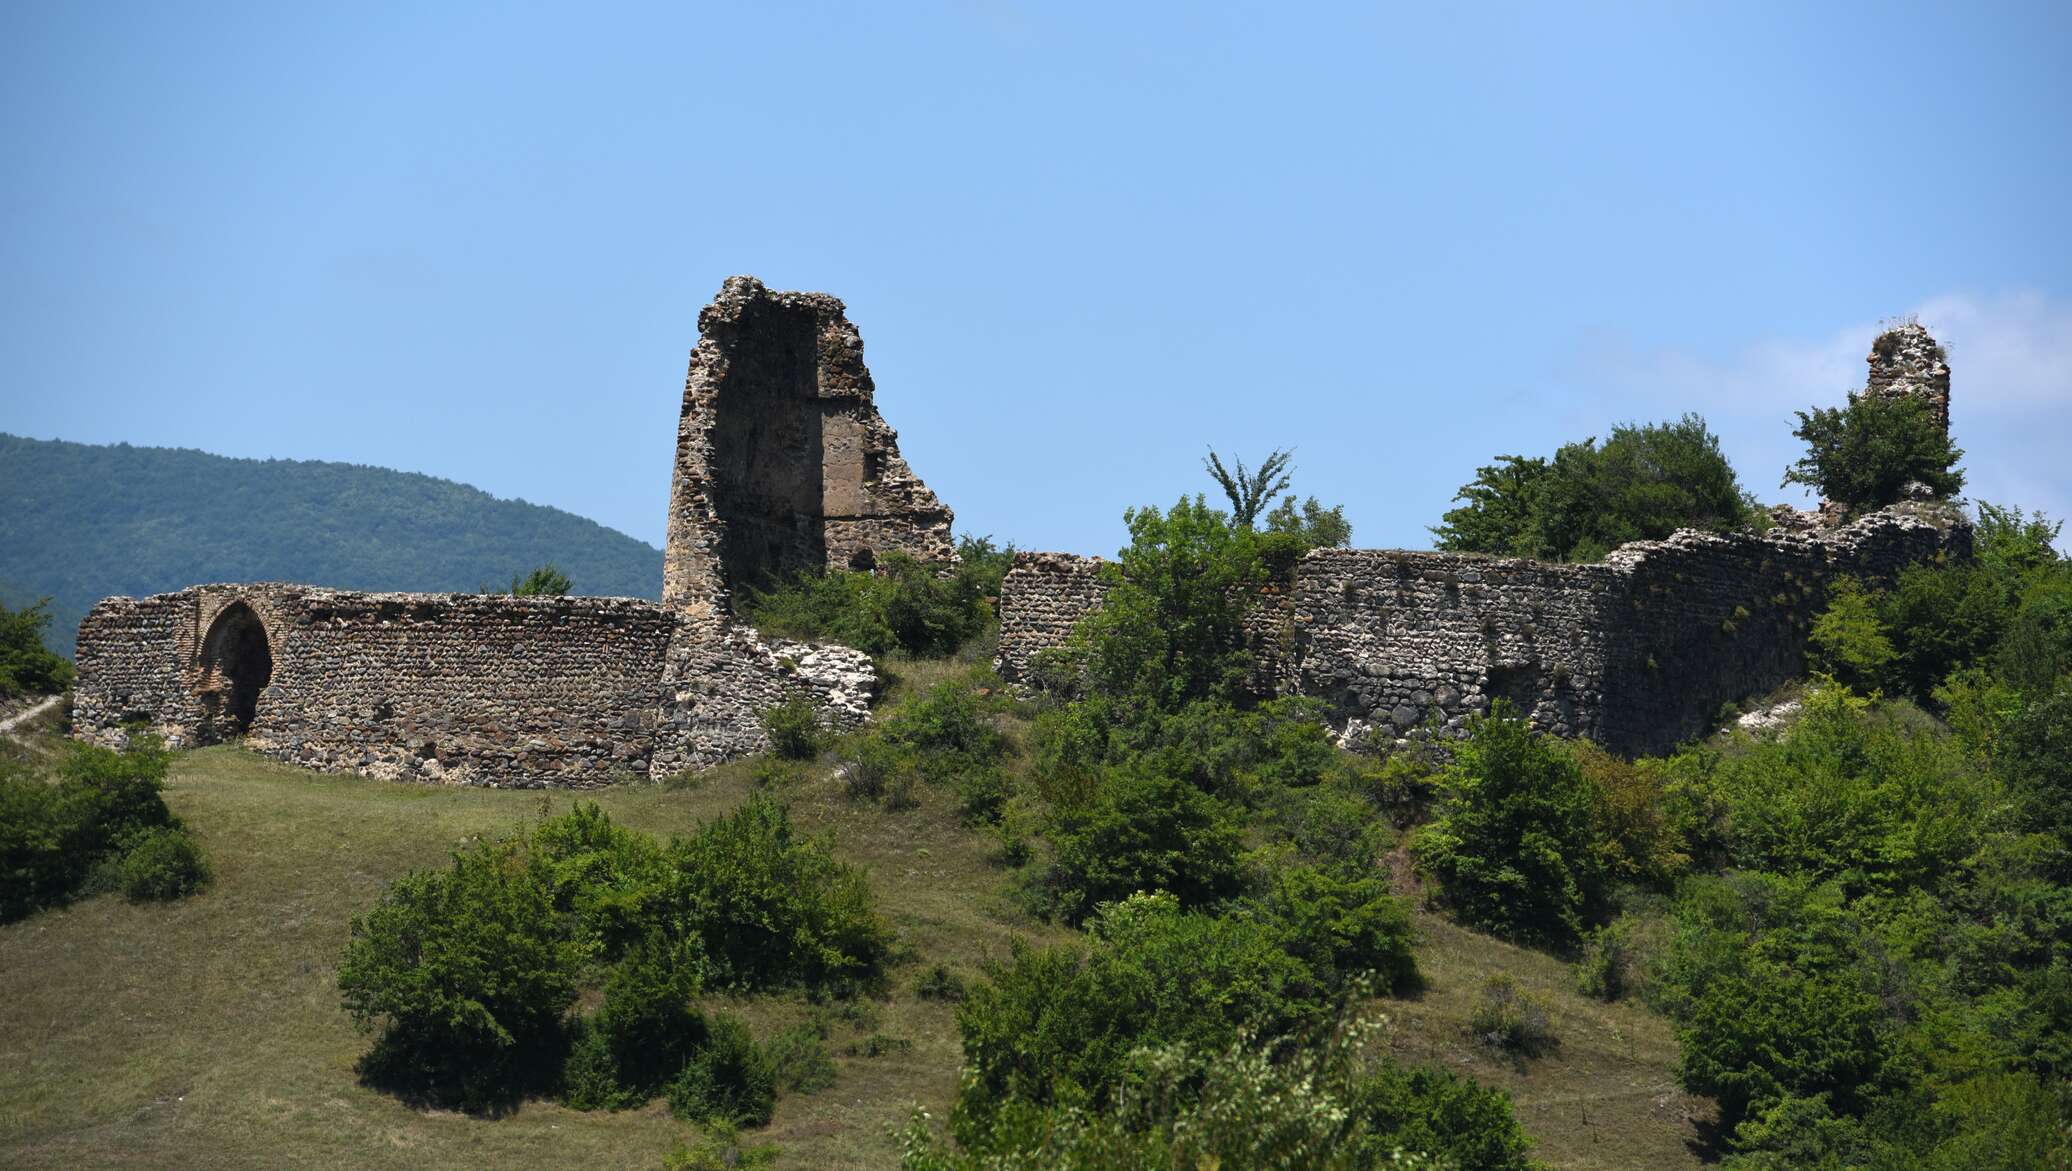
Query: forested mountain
79	522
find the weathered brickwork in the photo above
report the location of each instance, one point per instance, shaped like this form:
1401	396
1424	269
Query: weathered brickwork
782	461
783	464
1639	652
462	688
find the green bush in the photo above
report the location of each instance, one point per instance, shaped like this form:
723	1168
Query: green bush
793	728
939	983
776	909
60	837
1606	964
642	1033
1509	1018
799	1062
1144	832
161	865
1857	795
1057	1026
604	879
1777	993
1642	484
1515	842
26	665
729	1080
1865	454
1252	1103
467	975
902	605
1344	928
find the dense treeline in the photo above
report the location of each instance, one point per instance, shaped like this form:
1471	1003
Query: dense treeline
80	522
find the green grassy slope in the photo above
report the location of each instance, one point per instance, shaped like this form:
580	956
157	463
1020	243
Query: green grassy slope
208	1032
80	522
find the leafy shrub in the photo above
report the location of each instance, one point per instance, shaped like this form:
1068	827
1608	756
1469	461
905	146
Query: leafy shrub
1855	794
1344	928
799	1062
1509	1018
543	582
870	765
1252	1103
163	864
1865	454
1331	826
1606	962
26	665
776	909
642	1033
1647	812
55	838
1057	1026
1515	843
603	878
1776	995
793	728
1642	484
729	1079
939	983
901	605
1144	832
467	976
1848	640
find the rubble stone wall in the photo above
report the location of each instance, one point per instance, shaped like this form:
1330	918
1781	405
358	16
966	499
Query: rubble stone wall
1639	652
461	688
783	463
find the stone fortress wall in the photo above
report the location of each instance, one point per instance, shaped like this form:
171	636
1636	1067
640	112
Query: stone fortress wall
1638	653
784	465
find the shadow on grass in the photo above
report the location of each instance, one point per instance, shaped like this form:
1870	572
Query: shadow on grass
482	1080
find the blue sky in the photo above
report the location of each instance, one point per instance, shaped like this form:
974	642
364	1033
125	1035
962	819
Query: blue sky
1083	242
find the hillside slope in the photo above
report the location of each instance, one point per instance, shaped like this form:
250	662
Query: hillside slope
79	522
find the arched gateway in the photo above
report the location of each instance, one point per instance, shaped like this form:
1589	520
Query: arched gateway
236	665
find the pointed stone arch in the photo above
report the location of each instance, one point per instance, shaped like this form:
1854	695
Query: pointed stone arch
236	665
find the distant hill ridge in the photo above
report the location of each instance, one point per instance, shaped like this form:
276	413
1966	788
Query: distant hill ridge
80	522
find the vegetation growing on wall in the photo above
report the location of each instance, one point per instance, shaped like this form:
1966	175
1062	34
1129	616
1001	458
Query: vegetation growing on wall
1643	483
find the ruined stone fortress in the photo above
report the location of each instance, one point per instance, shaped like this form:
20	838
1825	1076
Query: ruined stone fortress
783	465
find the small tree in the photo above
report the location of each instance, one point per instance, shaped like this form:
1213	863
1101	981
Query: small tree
546	581
1864	455
1250	492
26	665
1515	844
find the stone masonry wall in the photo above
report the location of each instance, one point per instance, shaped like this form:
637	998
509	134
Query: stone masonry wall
1042	597
461	688
1638	653
783	463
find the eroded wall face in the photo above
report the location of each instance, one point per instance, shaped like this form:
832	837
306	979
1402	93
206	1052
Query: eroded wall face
1638	653
783	464
480	689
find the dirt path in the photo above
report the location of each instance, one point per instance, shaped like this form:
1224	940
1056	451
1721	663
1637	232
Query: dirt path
9	724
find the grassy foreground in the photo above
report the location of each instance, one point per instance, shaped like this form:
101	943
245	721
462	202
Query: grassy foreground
208	1032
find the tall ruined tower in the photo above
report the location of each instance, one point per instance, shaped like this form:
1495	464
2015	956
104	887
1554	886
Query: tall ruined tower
783	464
1906	360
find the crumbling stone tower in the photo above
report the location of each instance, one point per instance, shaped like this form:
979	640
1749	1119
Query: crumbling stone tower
1906	360
783	463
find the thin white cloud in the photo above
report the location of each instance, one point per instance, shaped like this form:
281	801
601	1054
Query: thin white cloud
2010	393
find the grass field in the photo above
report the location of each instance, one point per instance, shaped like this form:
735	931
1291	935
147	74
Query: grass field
208	1032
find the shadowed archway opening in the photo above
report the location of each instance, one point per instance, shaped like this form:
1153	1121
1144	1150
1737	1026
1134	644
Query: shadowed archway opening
236	664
